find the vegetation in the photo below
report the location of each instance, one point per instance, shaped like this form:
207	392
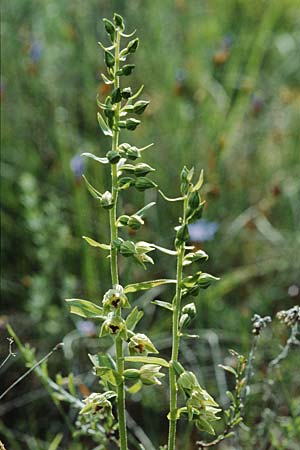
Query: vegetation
223	80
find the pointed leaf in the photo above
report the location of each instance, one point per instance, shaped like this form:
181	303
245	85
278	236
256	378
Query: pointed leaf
162	304
141	211
100	160
147	360
95	243
96	194
199	183
103	125
85	308
144	285
133	318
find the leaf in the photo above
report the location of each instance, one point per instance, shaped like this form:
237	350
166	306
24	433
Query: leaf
85	308
102	360
144	285
134	96
95	243
56	441
96	194
103	125
229	369
106	80
136	387
164	250
164	305
110	375
100	160
141	212
204	425
147	360
133	318
199	183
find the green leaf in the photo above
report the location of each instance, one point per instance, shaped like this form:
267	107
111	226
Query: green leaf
95	243
103	125
85	308
102	360
144	285
100	160
164	250
162	304
96	194
204	425
56	441
110	375
147	360
106	80
141	211
229	369
136	387
199	183
133	318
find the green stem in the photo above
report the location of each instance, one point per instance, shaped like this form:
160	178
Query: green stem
175	343
114	260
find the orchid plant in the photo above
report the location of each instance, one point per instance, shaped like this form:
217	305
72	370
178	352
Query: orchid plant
119	318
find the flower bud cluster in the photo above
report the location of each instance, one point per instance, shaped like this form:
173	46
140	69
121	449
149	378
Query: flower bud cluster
290	317
259	323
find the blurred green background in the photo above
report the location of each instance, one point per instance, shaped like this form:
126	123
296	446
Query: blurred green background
223	78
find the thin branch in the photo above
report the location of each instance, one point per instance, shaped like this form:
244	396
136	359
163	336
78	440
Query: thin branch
10	353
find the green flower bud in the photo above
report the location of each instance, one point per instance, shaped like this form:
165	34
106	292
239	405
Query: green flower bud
131	124
109	59
131	374
142	169
133	45
182	234
126	93
107	200
140	344
115	298
125	182
184	321
117	243
135	222
205	280
113	157
96	403
150	374
109	28
123	220
127	248
116	95
143	183
194	200
140	106
119	21
190	309
126	70
197	256
114	325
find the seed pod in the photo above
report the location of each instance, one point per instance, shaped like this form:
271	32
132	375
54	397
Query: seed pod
123	220
113	157
205	280
189	309
109	59
182	234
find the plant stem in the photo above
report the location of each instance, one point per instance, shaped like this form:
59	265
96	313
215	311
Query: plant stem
114	258
175	342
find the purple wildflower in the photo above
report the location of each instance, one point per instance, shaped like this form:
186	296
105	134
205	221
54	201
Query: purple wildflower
86	327
77	166
202	230
35	51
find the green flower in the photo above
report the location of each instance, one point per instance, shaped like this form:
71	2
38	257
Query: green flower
150	374
140	344
115	298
